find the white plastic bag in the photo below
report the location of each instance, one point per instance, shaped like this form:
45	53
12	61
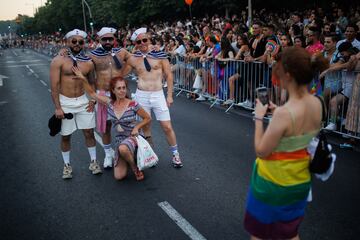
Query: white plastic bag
198	82
146	156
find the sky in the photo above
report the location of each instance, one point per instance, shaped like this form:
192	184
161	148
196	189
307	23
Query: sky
9	9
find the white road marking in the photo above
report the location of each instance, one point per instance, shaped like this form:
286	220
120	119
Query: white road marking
35	64
27	66
44	83
14	53
49	90
30	60
37	76
1	80
180	221
3	102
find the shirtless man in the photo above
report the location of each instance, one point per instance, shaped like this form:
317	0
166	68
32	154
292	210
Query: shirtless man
151	67
68	95
108	64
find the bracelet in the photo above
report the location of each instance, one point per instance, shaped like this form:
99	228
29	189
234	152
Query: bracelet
258	118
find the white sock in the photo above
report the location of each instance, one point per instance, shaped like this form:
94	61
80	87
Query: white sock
66	157
108	149
92	153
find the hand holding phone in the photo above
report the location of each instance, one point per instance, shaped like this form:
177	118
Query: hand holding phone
262	94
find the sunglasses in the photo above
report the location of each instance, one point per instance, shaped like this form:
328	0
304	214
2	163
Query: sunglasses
144	40
80	42
105	39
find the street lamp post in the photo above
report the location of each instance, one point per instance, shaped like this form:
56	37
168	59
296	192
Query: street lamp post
9	27
84	17
250	13
84	2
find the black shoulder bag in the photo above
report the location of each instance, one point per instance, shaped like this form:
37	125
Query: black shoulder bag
322	158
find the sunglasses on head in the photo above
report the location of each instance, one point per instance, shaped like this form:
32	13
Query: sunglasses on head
144	40
80	42
105	39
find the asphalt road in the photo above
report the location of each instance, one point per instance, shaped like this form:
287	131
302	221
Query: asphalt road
209	192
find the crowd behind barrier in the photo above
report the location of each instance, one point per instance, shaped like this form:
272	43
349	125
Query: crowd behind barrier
233	83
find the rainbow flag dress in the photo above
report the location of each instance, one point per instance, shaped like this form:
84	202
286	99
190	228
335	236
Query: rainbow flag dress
279	187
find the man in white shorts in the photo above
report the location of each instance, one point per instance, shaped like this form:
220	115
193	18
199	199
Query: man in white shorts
151	67
108	62
68	95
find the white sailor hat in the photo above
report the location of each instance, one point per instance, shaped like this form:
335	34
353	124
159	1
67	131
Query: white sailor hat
137	33
106	30
76	32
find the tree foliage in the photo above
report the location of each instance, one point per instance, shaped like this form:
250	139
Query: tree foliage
68	14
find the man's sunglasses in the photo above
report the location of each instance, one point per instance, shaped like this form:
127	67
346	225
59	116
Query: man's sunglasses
105	39
80	42
144	40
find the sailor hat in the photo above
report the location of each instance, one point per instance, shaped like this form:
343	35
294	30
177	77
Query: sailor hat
137	33
106	30
76	32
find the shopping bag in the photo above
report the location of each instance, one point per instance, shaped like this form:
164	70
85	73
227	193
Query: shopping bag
146	156
198	82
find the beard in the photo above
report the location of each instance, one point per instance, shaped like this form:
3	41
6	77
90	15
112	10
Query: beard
75	51
108	47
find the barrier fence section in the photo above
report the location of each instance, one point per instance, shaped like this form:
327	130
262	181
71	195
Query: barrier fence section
234	83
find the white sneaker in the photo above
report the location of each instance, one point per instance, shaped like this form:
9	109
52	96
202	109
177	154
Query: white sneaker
67	172
331	126
108	160
228	102
200	98
95	168
246	104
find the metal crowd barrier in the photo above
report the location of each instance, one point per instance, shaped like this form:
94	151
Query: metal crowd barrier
342	96
45	48
233	83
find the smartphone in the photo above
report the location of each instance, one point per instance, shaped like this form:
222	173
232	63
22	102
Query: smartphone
262	94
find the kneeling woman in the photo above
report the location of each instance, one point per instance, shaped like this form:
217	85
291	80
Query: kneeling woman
122	112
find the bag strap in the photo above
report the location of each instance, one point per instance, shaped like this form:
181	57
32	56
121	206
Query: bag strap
323	117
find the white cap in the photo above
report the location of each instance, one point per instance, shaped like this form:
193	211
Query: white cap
76	32
137	33
106	30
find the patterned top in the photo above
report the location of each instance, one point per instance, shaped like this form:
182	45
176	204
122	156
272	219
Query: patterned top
315	48
126	123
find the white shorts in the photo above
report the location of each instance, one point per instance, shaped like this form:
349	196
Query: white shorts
154	101
81	120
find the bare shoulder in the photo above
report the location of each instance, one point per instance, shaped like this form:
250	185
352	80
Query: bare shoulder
57	61
281	113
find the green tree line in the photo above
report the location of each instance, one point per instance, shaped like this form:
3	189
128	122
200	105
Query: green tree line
67	14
